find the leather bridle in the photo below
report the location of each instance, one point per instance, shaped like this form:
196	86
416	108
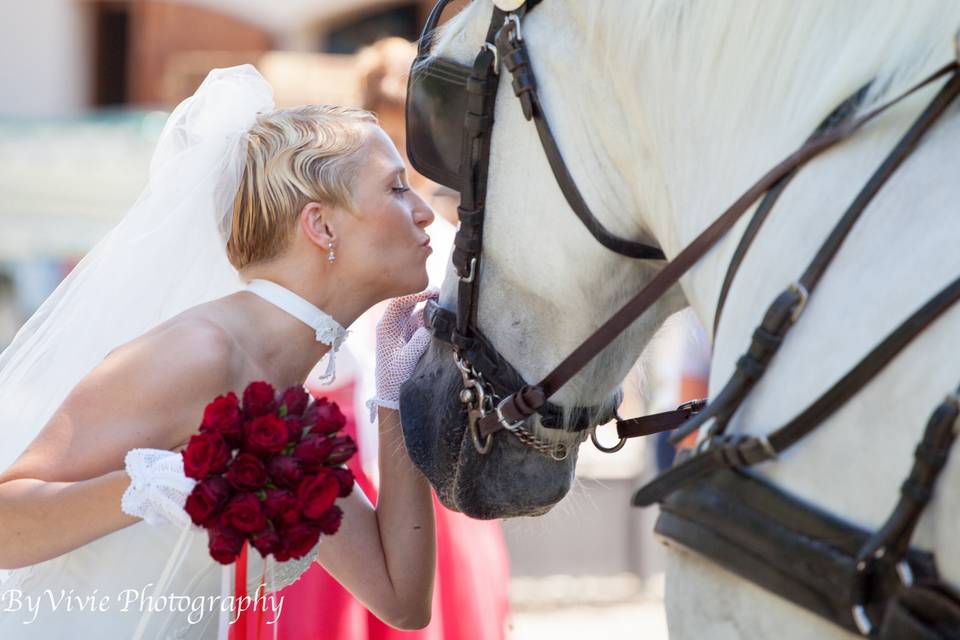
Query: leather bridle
495	396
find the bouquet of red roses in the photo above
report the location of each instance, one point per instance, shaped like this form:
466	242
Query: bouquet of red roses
268	471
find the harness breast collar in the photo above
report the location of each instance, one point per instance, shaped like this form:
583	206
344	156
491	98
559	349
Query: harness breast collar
869	583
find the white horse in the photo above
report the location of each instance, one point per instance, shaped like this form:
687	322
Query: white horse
666	111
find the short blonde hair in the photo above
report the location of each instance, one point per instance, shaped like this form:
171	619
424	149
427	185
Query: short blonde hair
294	156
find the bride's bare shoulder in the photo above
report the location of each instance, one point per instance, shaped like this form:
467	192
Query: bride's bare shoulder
200	334
149	392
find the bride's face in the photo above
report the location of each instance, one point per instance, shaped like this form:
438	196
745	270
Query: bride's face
386	242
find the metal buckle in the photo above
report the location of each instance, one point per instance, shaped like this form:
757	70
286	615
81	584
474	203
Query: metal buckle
800	290
502	420
473	272
862	620
692	407
515	19
767	447
859	612
496	56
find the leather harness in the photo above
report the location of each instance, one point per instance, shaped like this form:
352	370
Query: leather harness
888	588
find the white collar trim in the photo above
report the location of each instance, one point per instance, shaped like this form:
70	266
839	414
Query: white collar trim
328	330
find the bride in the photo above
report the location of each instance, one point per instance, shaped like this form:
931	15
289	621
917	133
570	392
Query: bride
260	235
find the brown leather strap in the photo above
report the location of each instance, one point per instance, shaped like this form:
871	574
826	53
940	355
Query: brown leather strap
783	313
671	273
481	91
658	422
837	116
781	316
514	55
891	542
743	450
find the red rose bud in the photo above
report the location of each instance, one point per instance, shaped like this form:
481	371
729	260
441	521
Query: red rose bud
313	451
298	540
295	400
325	417
259	399
265	434
207	498
278	502
316	494
244	513
285	471
246	472
329	522
225	544
266	541
345	477
223	416
343	449
206	453
294	429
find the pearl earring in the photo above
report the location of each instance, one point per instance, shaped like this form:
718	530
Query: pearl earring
331	257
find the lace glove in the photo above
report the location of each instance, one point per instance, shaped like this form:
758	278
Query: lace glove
402	339
279	574
158	487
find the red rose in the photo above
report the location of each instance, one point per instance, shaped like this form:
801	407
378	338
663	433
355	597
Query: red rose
244	513
207	498
317	493
285	471
343	448
278	502
206	453
294	429
329	522
265	434
295	400
345	477
325	417
297	541
223	416
259	399
225	544
266	541
288	518
313	451
247	472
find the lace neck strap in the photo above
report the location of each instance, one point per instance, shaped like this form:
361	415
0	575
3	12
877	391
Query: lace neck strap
327	329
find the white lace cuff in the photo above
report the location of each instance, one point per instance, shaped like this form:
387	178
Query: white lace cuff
158	487
279	575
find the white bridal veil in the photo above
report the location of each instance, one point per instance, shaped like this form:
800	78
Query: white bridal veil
165	255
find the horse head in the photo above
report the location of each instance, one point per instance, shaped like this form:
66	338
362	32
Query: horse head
545	282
